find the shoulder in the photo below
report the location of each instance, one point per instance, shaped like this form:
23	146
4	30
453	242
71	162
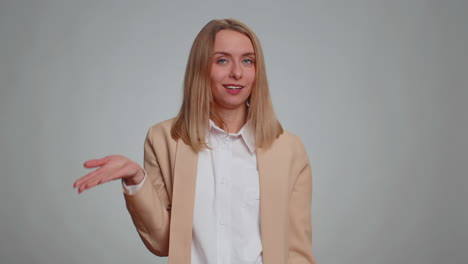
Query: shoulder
161	132
163	127
290	141
288	147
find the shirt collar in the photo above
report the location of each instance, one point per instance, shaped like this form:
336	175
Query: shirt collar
246	133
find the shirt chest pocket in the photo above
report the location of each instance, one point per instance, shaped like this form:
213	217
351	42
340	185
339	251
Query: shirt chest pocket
250	188
251	196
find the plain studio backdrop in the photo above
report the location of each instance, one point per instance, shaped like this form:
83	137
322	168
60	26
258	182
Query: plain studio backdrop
377	90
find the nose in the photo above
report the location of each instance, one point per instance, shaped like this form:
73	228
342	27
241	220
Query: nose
236	71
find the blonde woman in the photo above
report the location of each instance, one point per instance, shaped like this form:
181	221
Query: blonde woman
222	182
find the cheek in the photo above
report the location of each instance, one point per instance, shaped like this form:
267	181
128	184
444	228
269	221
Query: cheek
251	75
215	84
216	76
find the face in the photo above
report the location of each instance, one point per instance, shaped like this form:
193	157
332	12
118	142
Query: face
233	69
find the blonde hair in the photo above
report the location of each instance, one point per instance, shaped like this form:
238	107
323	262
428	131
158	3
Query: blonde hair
192	122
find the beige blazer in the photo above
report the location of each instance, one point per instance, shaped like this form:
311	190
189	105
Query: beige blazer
162	210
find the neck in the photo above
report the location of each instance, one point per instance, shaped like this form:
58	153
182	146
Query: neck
234	119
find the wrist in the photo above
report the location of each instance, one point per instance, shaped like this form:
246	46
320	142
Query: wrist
135	179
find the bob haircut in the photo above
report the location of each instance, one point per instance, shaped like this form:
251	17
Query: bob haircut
192	122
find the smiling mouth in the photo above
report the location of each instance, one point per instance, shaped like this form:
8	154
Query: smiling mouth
233	87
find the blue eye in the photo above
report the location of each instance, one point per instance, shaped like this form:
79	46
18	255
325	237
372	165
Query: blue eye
222	61
248	61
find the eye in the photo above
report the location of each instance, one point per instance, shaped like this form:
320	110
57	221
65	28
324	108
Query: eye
221	61
248	61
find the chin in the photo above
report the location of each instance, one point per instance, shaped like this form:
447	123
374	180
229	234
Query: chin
231	105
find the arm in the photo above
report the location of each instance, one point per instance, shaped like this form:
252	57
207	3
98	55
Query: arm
300	226
150	206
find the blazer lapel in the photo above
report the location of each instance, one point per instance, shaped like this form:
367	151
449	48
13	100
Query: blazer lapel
273	204
185	172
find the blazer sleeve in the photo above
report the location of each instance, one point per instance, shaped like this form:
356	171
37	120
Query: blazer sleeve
300	225
150	206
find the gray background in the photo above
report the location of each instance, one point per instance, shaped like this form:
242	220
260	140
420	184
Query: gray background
376	89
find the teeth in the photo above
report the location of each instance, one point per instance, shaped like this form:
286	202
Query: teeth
233	87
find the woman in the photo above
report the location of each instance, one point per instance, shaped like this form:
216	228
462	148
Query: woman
223	183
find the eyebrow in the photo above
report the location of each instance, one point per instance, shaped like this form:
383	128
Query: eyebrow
228	54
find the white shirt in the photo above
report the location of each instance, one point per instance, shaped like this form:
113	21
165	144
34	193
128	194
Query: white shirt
226	220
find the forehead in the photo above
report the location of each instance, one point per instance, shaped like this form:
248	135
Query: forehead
233	42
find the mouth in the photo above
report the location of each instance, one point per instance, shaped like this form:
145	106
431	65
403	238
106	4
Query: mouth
233	86
233	89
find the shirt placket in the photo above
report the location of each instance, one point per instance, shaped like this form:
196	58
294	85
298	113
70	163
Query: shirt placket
222	167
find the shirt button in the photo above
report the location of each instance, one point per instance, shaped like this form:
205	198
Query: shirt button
225	144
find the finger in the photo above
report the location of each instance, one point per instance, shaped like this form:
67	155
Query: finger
103	175
89	184
104	180
123	172
96	162
100	179
88	176
81	188
116	174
